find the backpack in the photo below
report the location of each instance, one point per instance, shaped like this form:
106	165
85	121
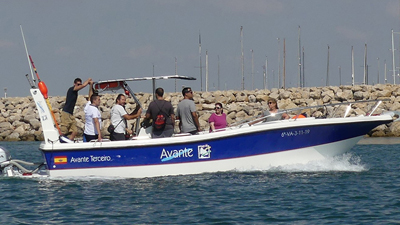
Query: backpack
161	119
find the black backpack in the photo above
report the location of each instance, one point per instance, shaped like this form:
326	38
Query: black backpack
161	119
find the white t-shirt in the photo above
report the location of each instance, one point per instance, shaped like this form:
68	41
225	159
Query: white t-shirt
117	114
90	113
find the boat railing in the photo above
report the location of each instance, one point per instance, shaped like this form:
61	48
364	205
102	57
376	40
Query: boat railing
327	111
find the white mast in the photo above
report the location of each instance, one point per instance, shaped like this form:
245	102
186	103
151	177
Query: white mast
252	69
352	66
299	57
279	63
385	72
266	73
206	71
378	70
218	73
27	55
176	70
393	63
303	74
201	72
284	63
365	65
327	69
242	58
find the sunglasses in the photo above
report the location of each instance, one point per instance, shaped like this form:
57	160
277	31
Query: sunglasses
217	108
191	92
270	103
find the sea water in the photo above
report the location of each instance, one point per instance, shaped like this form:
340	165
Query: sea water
360	187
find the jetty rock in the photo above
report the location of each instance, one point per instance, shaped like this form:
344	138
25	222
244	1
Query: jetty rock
19	119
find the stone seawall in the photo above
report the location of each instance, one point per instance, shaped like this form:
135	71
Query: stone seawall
19	120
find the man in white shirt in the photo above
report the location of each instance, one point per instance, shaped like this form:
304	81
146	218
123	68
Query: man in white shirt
92	117
119	117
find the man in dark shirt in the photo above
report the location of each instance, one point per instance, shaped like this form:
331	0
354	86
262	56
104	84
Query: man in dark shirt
157	106
68	122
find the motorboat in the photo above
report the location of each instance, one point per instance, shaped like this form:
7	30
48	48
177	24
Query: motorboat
237	147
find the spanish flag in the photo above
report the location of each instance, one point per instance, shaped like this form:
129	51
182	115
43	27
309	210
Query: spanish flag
60	160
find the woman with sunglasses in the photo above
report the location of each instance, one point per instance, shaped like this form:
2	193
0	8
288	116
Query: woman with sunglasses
273	113
218	119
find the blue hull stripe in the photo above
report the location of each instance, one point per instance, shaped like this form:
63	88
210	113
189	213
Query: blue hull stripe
215	149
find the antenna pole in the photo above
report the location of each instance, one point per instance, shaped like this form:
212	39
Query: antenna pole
27	55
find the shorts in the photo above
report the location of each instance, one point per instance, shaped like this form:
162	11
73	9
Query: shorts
68	123
162	134
88	137
117	137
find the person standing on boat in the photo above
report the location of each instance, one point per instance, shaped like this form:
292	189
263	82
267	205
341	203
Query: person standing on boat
186	113
119	116
273	113
161	107
92	117
217	120
68	122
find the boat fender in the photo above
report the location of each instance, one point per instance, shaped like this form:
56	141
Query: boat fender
298	116
43	89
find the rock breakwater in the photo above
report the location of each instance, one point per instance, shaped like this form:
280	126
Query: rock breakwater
19	120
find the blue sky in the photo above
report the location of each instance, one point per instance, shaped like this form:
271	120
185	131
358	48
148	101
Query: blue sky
121	39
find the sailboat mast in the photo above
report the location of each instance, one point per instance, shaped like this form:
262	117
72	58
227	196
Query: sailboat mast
201	72
279	63
327	69
352	66
218	73
365	65
242	58
303	75
284	63
252	68
393	63
206	71
176	70
299	57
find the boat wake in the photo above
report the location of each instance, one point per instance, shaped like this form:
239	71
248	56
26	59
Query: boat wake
348	162
345	163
